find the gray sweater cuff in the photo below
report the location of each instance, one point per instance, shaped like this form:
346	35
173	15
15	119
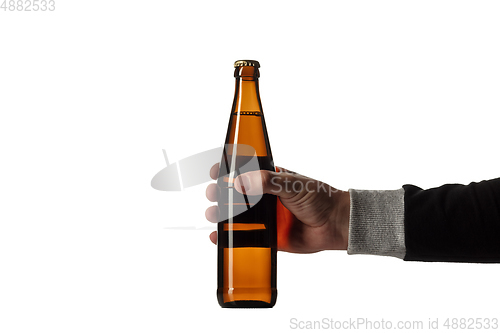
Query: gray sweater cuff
376	223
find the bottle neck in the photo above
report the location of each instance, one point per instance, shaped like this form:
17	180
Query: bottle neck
247	73
247	96
247	127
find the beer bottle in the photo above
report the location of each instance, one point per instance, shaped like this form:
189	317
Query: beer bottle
247	240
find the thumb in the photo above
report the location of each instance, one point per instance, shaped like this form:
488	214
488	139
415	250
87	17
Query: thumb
282	184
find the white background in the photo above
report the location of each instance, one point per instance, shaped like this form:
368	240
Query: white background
359	94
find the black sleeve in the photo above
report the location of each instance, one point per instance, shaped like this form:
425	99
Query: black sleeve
459	223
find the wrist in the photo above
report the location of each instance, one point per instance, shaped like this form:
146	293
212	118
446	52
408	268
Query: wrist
340	220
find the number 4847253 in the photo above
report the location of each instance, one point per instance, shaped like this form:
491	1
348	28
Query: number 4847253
28	5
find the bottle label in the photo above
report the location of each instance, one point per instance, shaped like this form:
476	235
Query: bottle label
248	113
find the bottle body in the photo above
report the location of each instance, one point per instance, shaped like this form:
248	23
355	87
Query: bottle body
247	239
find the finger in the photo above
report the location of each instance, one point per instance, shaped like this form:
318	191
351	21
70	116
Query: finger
282	184
214	171
212	214
212	192
213	237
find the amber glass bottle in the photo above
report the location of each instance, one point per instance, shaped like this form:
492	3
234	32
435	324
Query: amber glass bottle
247	232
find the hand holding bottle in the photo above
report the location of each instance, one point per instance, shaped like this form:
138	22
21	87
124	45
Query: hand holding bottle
312	215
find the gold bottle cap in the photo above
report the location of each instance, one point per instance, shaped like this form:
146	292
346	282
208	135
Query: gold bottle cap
252	63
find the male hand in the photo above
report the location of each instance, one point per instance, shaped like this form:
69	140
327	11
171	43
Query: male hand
312	216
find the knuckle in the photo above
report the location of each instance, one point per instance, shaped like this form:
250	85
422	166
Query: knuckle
265	177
